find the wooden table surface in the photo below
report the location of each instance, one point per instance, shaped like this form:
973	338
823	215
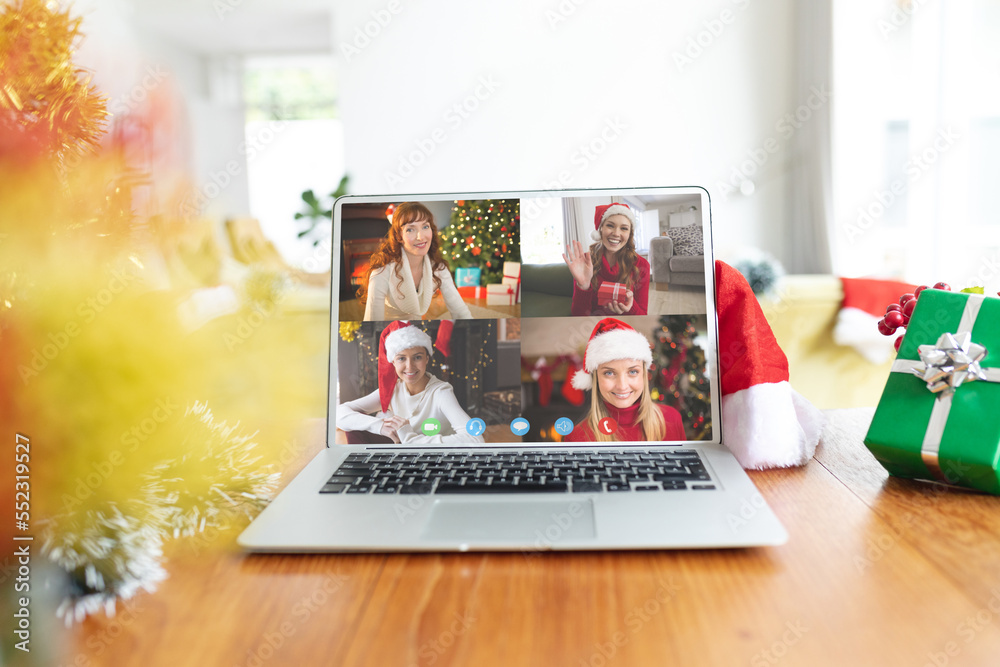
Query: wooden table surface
877	571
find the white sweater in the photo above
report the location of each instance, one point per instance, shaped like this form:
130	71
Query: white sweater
392	297
437	400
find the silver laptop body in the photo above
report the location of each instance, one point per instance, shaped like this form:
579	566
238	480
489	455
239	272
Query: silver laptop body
724	510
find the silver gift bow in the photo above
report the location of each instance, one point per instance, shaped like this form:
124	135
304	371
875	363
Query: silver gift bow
954	360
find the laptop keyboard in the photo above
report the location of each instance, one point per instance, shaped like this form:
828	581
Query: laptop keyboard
521	472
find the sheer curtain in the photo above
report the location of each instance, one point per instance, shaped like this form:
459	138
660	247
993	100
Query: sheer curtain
571	221
917	140
810	196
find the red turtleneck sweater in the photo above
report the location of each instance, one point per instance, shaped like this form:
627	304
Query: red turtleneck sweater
628	429
585	301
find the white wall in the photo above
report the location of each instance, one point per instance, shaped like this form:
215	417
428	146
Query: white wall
192	101
449	94
612	75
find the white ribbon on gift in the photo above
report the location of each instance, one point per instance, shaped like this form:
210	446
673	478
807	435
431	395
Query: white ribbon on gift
496	297
931	446
617	287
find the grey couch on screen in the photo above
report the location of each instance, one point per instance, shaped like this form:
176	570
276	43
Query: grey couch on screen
546	290
668	267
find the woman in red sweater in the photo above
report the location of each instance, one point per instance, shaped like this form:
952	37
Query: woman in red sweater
613	254
617	360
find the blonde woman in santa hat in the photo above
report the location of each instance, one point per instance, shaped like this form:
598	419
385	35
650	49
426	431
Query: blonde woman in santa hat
615	369
407	394
616	261
408	269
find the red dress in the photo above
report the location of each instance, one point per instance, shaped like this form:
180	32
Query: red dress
585	301
628	429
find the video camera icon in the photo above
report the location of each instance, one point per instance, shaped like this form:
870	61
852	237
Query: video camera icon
430	427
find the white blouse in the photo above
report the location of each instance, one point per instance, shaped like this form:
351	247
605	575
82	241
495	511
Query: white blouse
437	400
392	297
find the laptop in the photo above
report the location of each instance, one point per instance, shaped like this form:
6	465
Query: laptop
507	407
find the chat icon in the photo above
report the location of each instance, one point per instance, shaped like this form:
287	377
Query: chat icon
519	426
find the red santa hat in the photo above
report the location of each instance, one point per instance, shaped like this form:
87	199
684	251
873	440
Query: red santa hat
395	338
602	213
766	423
611	340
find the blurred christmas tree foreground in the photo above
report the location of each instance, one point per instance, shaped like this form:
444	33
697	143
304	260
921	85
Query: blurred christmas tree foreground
134	424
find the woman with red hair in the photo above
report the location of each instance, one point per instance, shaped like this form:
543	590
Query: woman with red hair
408	269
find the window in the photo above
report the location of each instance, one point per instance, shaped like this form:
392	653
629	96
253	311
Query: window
916	140
294	143
542	236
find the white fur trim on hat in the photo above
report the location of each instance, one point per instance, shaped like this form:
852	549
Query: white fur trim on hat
770	425
581	380
612	346
595	235
618	209
404	338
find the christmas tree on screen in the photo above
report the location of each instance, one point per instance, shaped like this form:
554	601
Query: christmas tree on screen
485	234
679	374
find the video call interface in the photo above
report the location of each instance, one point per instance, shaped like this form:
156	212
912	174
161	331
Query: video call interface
540	319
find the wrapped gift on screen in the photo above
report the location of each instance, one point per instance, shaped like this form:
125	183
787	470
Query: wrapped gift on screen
467	276
609	292
512	277
937	418
500	295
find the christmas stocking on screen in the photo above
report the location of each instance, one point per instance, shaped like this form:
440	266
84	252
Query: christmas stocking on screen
766	423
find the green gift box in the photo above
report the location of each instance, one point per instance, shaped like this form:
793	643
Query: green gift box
938	418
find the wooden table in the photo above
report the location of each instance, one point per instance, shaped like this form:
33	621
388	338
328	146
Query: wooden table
877	571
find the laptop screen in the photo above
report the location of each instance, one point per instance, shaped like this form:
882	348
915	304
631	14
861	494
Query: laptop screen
529	318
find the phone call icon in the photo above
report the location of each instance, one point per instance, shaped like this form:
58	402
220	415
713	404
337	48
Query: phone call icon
607	426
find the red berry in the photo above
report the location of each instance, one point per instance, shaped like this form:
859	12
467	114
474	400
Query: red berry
945	286
885	329
897	343
891	307
916	292
906	297
908	308
893	319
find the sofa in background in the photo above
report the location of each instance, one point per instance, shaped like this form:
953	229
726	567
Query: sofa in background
802	312
669	268
546	290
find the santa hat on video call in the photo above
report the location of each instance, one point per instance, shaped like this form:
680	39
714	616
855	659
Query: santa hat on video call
611	340
602	213
395	338
766	423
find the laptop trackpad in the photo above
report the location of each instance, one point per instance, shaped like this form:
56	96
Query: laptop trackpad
543	522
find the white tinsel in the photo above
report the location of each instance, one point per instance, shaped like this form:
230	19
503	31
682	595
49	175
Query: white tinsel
229	478
109	556
111	552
